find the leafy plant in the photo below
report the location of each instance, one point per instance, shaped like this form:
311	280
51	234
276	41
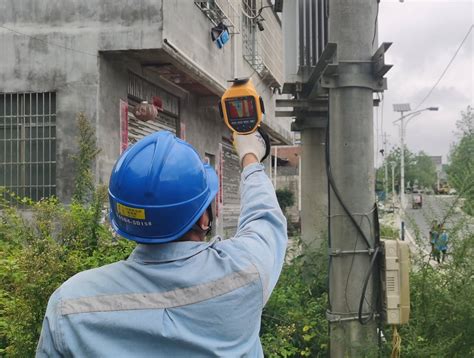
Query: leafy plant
285	198
461	169
88	150
293	321
44	244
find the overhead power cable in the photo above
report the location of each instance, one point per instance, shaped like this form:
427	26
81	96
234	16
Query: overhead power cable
48	42
446	69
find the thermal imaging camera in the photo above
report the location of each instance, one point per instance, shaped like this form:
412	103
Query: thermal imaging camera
241	107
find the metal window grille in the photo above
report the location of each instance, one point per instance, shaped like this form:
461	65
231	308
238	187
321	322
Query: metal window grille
28	144
250	37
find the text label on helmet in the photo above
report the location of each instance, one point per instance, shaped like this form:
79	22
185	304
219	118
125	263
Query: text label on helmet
129	212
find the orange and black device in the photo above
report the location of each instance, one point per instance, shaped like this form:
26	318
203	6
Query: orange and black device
241	107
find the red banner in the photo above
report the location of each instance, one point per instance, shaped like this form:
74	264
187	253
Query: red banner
123	126
220	175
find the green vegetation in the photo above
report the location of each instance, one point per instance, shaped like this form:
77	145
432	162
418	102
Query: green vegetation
461	169
419	169
40	252
84	185
442	314
294	321
45	244
285	198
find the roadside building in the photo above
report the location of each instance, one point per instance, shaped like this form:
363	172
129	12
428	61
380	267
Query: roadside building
102	58
286	163
441	175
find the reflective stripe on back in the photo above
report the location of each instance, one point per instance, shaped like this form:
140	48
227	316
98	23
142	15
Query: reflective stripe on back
174	298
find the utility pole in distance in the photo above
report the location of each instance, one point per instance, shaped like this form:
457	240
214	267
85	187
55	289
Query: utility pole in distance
351	28
385	164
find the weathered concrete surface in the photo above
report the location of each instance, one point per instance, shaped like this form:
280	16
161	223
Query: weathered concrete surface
53	45
84	50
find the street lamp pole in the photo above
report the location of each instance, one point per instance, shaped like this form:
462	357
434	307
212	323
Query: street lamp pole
402	163
402	108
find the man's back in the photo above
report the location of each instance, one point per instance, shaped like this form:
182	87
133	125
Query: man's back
180	298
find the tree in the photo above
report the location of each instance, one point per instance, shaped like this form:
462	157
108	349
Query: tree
424	171
419	169
461	169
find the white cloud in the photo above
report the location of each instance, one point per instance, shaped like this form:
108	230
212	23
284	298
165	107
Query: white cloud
425	36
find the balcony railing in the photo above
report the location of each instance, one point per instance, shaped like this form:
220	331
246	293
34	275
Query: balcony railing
263	49
221	11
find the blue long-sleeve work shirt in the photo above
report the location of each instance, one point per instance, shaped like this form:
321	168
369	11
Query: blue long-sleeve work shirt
180	299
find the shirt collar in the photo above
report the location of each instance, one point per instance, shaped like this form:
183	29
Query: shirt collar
171	251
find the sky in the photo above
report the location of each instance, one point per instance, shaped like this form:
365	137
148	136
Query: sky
425	36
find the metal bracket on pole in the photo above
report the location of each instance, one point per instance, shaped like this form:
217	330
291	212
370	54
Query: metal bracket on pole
355	79
309	122
350	316
363	74
378	60
337	252
311	87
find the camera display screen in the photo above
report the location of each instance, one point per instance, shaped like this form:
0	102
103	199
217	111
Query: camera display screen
241	108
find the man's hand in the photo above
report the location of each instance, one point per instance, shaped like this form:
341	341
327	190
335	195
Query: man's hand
254	147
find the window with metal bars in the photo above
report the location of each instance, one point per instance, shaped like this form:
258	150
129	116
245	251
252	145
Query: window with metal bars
28	144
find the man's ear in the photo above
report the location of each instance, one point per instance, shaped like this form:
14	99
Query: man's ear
203	221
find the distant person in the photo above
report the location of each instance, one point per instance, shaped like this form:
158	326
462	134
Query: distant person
441	244
434	232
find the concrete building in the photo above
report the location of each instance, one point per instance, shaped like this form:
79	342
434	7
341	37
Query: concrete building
441	175
102	58
286	174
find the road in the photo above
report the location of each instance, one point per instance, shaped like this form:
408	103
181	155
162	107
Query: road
436	207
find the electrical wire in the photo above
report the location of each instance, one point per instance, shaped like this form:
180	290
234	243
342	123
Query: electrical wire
332	185
376	22
381	111
350	271
396	343
259	12
334	188
377	134
446	69
364	288
48	42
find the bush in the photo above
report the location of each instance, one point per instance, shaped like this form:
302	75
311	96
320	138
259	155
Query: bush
294	321
38	255
285	198
442	314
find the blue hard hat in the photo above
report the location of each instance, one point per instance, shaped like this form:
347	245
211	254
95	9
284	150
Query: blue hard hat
159	188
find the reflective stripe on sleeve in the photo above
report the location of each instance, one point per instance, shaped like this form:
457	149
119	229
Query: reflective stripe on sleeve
174	298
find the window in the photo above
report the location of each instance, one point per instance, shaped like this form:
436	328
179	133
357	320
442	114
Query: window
28	144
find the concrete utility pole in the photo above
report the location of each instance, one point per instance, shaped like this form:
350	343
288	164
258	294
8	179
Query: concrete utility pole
313	178
393	164
351	27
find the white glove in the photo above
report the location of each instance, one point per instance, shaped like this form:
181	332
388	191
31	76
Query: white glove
256	143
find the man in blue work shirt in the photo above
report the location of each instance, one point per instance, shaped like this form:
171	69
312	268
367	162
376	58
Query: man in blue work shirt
176	295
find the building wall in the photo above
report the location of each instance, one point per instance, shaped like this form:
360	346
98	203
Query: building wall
84	50
53	45
291	153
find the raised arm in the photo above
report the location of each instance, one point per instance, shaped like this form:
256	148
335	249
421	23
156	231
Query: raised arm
262	229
